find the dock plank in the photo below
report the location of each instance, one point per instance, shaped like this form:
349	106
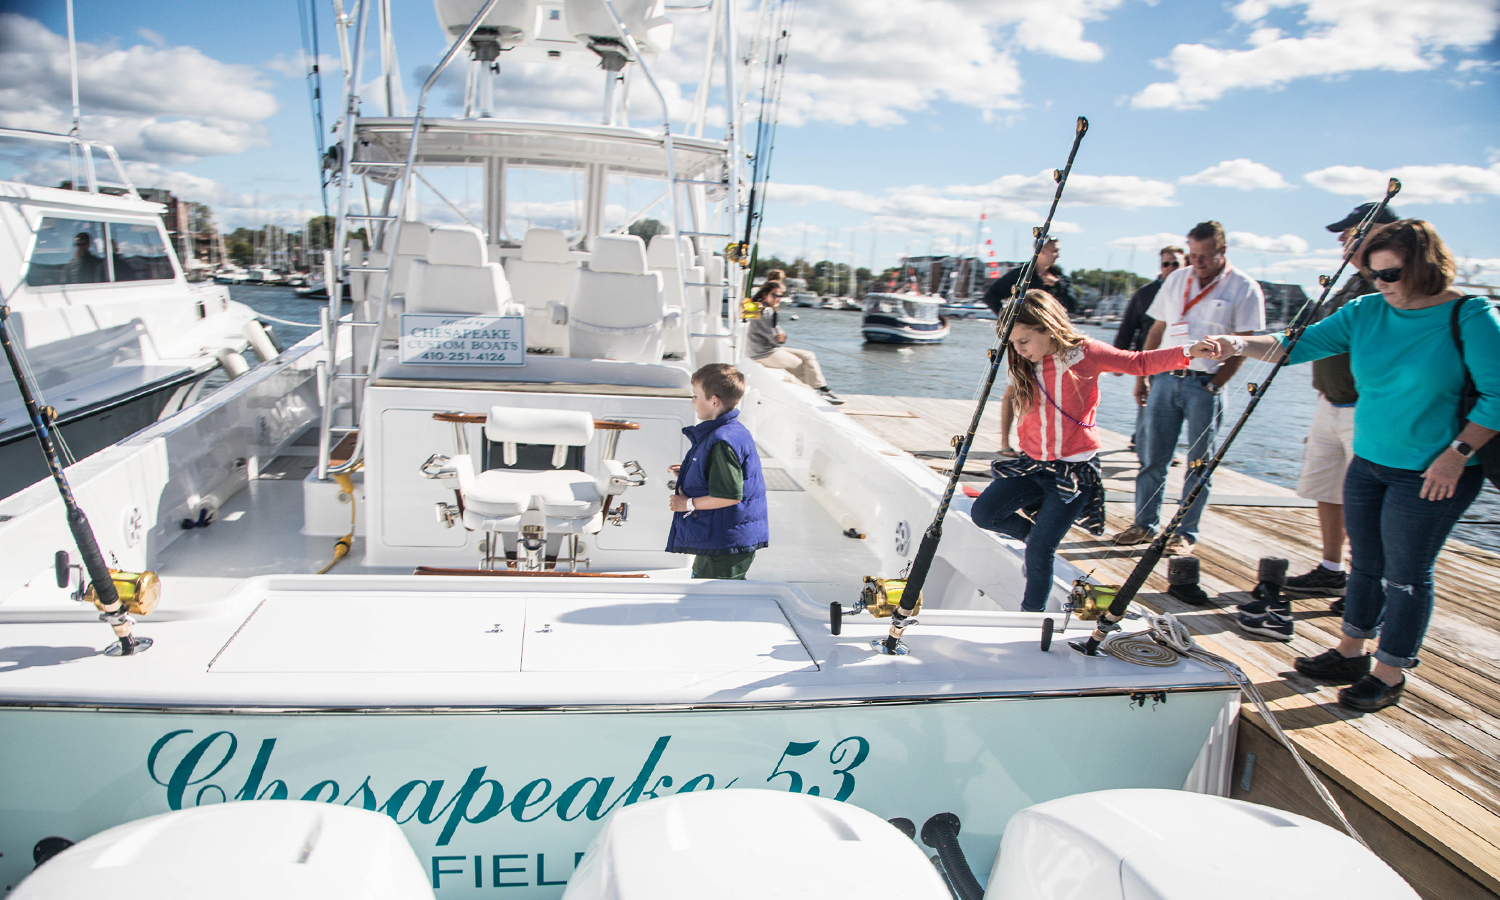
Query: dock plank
1422	778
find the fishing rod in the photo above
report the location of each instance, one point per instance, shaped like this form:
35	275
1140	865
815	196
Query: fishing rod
1110	621
143	589
927	550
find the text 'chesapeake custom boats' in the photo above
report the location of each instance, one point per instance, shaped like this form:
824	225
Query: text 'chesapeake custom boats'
507	653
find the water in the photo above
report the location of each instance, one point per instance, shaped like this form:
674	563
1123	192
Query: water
1270	446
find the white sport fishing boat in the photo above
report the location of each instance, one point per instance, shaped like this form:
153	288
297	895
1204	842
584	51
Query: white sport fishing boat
903	318
114	335
503	652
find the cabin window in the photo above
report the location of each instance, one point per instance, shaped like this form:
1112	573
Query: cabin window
139	254
69	251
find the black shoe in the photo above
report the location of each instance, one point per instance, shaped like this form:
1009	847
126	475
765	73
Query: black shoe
1191	594
1331	665
1370	694
1320	582
827	394
1337	607
1270	625
1259	607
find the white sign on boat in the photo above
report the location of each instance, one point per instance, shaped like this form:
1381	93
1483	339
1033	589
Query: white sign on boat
449	340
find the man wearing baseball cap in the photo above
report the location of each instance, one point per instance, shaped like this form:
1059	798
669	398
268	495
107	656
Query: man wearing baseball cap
1329	448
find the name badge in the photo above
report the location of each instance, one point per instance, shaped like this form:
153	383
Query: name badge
1177	333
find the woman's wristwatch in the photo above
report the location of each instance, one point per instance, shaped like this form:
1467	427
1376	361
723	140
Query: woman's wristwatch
1461	449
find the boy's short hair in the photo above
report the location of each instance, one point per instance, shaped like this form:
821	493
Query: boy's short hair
723	381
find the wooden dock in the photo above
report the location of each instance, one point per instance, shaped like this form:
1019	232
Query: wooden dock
1420	781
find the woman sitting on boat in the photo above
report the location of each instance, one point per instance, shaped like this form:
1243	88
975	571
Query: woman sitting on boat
1055	374
1415	469
764	343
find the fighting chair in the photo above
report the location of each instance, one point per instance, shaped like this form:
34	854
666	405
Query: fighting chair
530	494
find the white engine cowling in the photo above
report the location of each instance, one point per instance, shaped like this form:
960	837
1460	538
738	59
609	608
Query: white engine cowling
751	845
1175	845
282	849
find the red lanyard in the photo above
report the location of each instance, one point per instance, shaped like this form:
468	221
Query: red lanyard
1188	284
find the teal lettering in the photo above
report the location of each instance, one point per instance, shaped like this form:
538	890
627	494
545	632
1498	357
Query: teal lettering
182	775
594	807
317	789
438	871
638	786
423	811
692	784
364	795
251	788
541	879
523	801
460	804
519	870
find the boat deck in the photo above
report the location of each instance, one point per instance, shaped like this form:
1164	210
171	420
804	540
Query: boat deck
1421	781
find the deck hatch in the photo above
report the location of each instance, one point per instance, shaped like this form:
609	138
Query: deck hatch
350	632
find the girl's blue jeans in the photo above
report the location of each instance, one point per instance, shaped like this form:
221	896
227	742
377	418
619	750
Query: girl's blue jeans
998	510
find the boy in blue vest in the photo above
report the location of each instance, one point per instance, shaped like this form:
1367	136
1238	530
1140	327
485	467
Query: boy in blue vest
720	501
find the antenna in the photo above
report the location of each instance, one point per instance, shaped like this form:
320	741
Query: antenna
73	68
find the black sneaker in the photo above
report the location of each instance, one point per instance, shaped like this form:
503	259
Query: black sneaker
827	394
1320	582
1269	625
1281	606
1331	665
1337	607
1370	694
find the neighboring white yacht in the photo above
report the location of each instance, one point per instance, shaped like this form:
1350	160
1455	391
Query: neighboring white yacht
114	334
504	652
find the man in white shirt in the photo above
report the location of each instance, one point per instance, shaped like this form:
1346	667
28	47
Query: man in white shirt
1207	296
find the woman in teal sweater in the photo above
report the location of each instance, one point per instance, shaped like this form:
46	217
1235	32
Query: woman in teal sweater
1414	470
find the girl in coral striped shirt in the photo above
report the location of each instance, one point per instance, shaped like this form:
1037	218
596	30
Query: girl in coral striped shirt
1055	372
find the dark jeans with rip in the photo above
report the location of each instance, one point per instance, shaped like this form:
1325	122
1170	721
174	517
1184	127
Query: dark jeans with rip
998	510
1394	539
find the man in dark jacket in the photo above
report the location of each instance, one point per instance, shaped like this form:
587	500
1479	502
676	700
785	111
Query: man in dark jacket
1135	324
1046	277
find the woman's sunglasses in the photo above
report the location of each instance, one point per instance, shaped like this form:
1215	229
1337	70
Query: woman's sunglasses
1389	276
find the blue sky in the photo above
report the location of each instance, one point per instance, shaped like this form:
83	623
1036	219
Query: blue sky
901	121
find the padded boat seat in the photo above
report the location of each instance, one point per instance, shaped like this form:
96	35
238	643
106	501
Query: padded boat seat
560	493
542	278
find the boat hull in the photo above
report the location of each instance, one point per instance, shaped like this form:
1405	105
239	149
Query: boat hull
888	332
501	797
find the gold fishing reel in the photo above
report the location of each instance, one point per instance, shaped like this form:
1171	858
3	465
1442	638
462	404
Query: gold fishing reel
749	309
1090	601
139	592
881	596
735	253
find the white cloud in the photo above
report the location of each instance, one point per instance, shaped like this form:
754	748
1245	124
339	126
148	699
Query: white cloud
1340	36
1149	242
1122	191
297	66
1444	183
1256	243
1311	266
876	61
165	104
1238	173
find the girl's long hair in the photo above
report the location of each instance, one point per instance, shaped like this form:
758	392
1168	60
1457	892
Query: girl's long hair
1040	311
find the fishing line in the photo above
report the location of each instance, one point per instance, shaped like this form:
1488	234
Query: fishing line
1293	335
